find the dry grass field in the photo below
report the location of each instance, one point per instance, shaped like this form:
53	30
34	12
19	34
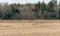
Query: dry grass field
30	28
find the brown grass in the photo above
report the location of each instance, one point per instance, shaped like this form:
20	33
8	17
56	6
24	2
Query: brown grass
30	28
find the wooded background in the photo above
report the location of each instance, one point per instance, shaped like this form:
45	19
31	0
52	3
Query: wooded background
30	11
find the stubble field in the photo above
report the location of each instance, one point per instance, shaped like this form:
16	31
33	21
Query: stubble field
30	28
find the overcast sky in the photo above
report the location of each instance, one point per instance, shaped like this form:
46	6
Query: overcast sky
24	1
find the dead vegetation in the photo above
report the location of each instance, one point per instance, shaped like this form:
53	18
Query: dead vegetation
30	28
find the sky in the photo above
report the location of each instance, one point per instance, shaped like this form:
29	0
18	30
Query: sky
24	1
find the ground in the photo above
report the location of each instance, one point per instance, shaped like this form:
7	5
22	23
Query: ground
30	28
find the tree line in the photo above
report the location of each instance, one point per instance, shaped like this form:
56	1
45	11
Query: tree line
41	11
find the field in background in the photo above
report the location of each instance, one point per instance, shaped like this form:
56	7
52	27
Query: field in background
30	28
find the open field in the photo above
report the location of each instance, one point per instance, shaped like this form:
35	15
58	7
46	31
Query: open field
30	28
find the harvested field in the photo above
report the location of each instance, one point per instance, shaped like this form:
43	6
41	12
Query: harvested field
30	28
